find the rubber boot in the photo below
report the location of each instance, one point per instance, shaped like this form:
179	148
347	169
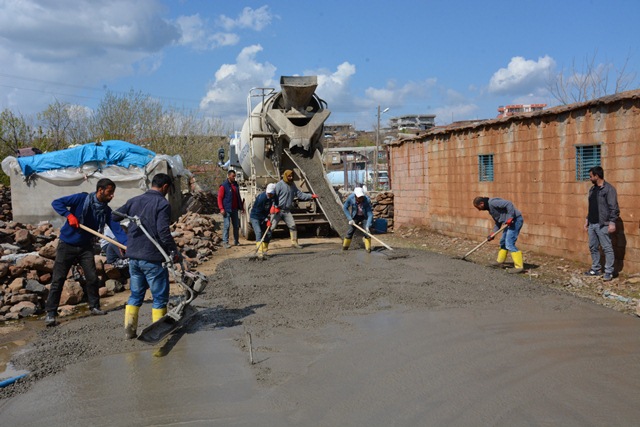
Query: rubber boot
265	248
345	244
157	313
367	244
260	253
131	321
502	257
517	263
294	239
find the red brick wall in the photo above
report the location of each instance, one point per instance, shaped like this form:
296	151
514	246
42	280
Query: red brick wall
435	176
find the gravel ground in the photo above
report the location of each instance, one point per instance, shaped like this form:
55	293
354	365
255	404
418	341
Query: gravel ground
312	287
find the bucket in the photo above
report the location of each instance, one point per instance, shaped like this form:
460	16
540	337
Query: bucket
379	225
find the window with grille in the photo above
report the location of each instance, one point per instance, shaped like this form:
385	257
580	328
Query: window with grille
485	167
587	156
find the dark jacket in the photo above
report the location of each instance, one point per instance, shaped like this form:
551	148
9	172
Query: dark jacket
608	210
74	204
261	207
154	212
227	197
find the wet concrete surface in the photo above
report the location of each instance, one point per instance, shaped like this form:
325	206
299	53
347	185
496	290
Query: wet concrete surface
404	338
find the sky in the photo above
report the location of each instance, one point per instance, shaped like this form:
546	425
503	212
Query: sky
457	59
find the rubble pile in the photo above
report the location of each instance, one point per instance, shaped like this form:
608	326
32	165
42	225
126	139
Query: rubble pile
196	237
5	203
28	253
200	202
383	207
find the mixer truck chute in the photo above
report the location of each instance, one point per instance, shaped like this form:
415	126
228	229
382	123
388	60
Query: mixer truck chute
284	130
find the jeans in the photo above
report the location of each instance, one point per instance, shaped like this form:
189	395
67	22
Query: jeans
510	235
599	236
287	217
257	228
148	275
358	220
66	256
230	217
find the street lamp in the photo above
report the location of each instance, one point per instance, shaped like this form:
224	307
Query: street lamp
376	182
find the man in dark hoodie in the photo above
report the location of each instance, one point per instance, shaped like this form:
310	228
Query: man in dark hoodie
77	245
504	212
146	262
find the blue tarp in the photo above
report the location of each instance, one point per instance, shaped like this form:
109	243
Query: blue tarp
114	152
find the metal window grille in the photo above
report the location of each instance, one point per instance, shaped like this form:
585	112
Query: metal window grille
485	167
587	156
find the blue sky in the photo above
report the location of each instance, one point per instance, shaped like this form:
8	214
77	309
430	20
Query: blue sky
456	59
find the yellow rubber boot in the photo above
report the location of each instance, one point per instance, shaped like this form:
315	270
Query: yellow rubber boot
345	244
367	244
518	264
265	248
259	250
131	321
157	313
294	239
502	257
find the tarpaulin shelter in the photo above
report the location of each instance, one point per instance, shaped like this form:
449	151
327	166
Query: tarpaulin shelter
39	179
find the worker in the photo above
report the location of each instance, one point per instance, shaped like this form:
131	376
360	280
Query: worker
286	191
146	262
600	222
77	245
358	209
504	212
229	203
260	220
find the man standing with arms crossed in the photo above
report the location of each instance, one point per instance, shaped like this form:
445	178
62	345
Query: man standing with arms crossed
601	222
146	262
229	203
77	245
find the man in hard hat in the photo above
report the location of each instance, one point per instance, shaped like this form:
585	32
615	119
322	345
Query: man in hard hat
286	192
358	209
260	220
504	212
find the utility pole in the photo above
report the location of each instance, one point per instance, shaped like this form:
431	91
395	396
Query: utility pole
375	158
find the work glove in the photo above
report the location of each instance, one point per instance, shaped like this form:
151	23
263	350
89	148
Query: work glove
509	222
73	221
268	223
490	237
314	196
274	210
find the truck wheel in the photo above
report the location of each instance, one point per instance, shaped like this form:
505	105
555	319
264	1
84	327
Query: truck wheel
245	228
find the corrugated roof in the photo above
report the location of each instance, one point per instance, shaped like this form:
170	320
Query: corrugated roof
473	124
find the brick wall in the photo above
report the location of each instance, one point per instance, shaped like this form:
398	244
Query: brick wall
435	176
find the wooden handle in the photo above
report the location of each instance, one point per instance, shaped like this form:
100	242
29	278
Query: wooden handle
370	235
102	236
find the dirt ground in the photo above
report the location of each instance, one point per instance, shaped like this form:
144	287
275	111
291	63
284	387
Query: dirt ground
310	288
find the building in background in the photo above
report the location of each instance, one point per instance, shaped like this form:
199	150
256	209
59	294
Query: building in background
413	122
510	110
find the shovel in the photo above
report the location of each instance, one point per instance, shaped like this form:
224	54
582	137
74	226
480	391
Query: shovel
102	236
491	236
370	235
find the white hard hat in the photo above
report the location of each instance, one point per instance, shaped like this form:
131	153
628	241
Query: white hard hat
271	188
358	192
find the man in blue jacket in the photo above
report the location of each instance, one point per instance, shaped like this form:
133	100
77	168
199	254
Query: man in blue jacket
229	203
260	221
358	209
146	262
77	245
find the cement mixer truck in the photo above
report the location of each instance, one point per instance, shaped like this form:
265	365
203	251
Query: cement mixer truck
285	130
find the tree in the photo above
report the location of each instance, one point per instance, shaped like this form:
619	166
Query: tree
590	81
56	122
15	133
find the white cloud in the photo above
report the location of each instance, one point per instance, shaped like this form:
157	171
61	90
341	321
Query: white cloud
255	19
227	95
72	41
196	34
522	76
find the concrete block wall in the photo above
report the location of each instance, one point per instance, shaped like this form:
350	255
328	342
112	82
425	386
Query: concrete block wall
435	177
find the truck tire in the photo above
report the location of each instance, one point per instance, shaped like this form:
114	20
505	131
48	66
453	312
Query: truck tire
245	227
